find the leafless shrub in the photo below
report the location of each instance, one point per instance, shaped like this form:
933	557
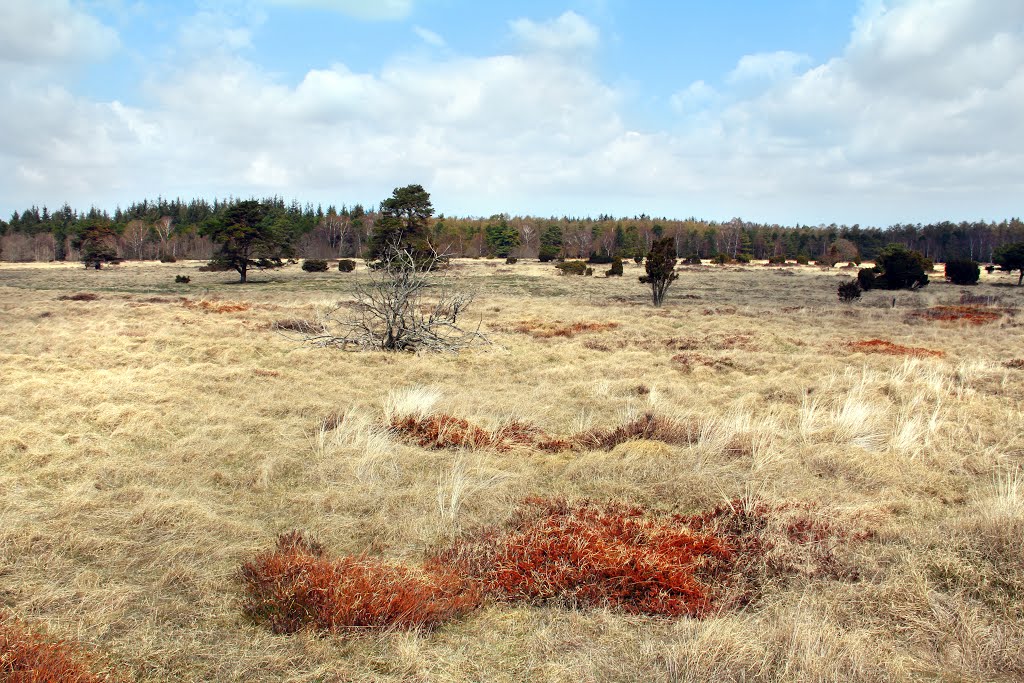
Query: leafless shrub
401	309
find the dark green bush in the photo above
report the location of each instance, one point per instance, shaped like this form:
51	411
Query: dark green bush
573	268
167	258
600	259
616	268
866	279
777	260
803	259
589	271
963	272
314	265
901	268
638	260
743	258
511	260
182	279
346	265
848	291
691	260
721	259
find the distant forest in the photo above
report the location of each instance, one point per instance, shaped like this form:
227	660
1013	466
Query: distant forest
175	228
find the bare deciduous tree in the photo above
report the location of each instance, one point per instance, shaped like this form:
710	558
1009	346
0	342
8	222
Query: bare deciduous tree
400	309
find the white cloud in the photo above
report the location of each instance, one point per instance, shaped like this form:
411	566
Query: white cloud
694	98
767	67
917	118
48	31
379	10
429	37
569	32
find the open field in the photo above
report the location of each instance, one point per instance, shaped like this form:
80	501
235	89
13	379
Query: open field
155	438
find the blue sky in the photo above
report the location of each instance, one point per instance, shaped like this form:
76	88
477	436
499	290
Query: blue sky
804	111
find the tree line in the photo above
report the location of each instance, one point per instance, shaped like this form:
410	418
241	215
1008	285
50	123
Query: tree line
175	228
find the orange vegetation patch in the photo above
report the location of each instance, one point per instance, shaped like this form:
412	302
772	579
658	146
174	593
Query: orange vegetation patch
80	296
553	552
438	432
973	315
546	330
27	657
216	306
589	555
442	431
888	348
647	426
296	586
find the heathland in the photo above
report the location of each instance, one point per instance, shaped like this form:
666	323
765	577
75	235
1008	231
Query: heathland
155	437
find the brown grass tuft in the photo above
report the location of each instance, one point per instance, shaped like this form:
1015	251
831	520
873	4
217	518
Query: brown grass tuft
1015	364
28	657
440	431
299	325
297	586
891	349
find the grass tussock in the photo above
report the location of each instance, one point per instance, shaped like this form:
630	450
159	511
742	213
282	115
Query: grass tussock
28	657
297	586
890	349
216	306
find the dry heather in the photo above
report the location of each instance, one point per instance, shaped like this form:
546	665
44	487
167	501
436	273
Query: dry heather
156	438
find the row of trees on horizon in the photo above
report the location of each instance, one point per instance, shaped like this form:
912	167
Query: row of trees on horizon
175	228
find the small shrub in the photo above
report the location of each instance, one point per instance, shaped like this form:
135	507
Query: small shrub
848	291
638	260
28	657
588	272
721	259
803	259
990	269
182	279
963	272
777	260
692	260
866	279
167	258
743	258
616	269
511	261
901	268
573	268
346	265
586	555
314	265
600	259
297	586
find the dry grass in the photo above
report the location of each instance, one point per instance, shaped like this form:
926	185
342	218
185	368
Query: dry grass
149	449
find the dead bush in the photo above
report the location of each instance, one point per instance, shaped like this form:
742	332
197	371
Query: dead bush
587	555
297	586
28	657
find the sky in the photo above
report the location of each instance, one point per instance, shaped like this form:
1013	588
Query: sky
792	111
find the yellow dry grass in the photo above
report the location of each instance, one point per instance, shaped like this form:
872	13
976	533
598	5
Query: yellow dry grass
154	439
